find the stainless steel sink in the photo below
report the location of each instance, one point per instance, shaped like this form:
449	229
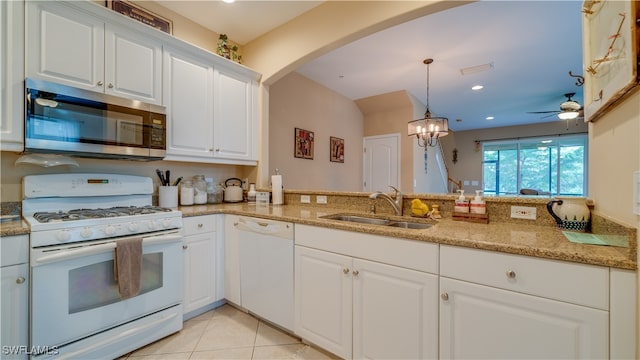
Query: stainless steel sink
358	219
378	221
410	225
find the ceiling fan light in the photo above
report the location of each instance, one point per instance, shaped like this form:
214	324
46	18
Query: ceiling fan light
568	115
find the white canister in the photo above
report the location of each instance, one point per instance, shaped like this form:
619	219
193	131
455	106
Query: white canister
168	196
186	193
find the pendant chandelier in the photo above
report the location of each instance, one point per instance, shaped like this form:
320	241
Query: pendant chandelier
428	129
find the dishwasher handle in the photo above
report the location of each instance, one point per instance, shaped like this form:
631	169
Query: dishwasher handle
261	227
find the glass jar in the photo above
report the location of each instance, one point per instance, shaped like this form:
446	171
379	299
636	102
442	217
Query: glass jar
215	193
186	192
199	190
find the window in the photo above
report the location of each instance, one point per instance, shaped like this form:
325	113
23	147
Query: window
554	166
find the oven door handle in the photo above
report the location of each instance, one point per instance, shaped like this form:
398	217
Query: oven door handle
75	253
161	239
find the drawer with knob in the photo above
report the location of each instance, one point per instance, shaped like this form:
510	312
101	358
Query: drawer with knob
198	224
575	283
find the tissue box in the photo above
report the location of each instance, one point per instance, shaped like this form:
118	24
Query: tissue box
262	197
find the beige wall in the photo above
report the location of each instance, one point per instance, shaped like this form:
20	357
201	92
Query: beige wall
469	165
296	101
11	174
388	114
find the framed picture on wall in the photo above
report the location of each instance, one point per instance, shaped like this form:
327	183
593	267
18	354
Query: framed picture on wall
144	16
303	144
336	149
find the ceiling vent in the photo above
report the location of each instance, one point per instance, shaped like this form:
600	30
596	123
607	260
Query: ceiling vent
476	69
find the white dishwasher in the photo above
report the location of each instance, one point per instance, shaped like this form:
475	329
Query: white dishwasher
266	269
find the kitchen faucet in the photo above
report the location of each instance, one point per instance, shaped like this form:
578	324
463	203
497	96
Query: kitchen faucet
396	203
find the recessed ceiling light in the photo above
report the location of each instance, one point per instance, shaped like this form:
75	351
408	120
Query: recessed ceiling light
229	1
546	141
477	87
489	118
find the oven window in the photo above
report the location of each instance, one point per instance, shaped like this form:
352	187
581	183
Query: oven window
94	285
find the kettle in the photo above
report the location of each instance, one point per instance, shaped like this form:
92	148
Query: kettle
570	213
233	192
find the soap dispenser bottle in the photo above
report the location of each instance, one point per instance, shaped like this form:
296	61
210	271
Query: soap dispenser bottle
461	204
478	205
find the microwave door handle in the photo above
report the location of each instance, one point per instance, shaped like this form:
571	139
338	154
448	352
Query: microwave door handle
161	239
75	253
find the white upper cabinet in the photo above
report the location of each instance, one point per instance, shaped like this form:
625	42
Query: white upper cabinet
70	46
11	76
211	108
188	94
235	133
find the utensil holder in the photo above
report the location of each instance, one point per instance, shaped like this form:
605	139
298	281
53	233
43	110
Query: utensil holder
168	196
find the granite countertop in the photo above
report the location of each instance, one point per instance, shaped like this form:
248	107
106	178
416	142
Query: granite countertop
532	240
11	228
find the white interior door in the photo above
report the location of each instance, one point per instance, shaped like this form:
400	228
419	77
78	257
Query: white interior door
381	166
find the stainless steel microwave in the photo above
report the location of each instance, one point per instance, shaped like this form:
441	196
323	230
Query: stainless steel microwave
66	120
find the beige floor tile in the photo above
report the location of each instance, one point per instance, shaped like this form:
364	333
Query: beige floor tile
238	330
183	341
269	335
244	353
296	351
174	356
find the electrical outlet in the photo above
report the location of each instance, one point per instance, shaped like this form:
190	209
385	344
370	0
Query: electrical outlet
305	199
321	199
523	212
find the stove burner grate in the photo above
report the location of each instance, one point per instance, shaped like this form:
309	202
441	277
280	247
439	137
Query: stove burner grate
82	214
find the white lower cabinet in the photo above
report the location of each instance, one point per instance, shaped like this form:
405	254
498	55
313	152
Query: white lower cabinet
359	308
483	322
202	266
14	296
502	306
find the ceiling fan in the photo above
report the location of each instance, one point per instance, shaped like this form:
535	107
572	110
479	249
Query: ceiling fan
569	109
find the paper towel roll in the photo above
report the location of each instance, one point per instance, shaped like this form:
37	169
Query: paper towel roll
276	189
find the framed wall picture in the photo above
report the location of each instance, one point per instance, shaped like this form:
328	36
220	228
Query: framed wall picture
142	15
303	144
336	149
610	54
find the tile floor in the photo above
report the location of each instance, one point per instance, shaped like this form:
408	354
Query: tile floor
227	333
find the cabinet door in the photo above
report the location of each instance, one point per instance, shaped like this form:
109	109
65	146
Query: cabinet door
232	260
487	323
64	45
133	65
199	271
188	90
323	299
235	124
15	310
12	75
395	312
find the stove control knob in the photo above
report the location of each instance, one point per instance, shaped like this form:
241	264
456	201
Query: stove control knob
86	232
134	227
63	235
110	230
152	225
166	223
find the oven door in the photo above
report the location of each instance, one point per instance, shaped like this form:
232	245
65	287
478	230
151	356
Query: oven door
74	293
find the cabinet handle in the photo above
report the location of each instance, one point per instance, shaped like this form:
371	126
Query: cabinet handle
217	150
235	223
200	225
20	280
356	273
100	83
444	296
511	274
185	247
345	270
110	86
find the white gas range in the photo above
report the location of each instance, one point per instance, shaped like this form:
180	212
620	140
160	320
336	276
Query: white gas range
76	222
